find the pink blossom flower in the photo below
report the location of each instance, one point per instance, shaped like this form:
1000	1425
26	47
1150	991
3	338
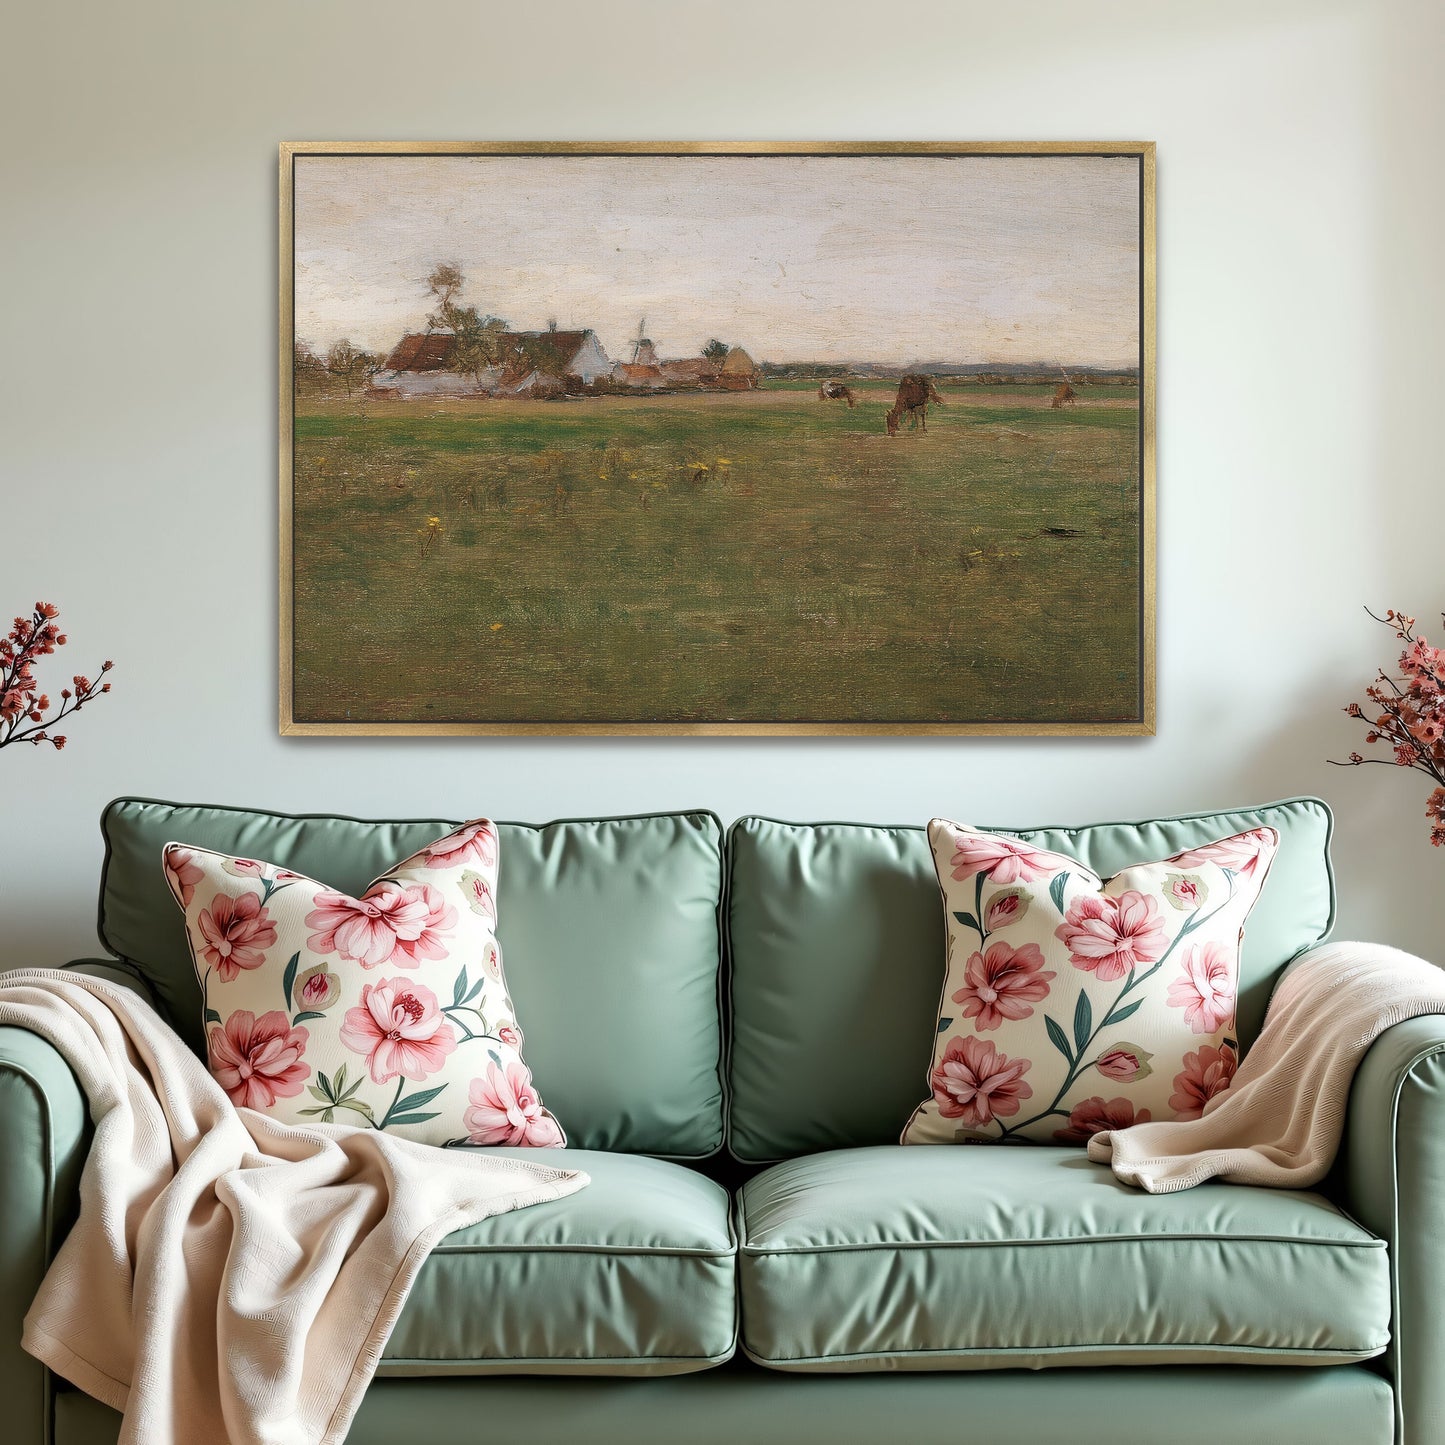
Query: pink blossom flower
1005	908
399	1028
1244	853
316	990
258	1060
976	1083
1125	1063
1004	860
492	960
1185	891
237	933
1205	990
1205	1076
182	873
1092	1116
1109	936
478	893
419	938
1003	983
472	840
505	1109
510	1035
391	924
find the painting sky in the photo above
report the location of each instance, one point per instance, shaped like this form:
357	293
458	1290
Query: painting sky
877	258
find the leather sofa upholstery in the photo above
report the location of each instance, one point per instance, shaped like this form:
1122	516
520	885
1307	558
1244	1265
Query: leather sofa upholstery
814	1283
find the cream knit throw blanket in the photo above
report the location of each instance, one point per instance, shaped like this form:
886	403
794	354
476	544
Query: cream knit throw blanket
231	1279
1280	1122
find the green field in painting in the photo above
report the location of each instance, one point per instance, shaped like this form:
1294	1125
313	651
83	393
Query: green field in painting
760	556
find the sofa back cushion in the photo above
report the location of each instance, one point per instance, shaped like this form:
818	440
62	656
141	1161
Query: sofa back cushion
610	928
836	939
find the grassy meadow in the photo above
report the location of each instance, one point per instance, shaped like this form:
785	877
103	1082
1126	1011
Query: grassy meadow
757	556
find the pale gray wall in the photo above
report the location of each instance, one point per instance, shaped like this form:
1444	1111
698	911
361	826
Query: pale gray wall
1301	314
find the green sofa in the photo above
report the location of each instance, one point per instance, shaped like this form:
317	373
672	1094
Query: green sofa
732	1026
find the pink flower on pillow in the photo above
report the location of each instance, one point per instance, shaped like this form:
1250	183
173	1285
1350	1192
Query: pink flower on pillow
1109	936
1003	983
1243	853
1205	990
478	893
391	924
1205	1075
399	1028
976	1083
236	933
505	1109
258	1060
1095	1115
1005	907
1004	860
511	1036
1124	1063
422	937
472	840
182	873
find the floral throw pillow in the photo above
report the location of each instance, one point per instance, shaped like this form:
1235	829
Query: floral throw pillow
389	1010
1072	1003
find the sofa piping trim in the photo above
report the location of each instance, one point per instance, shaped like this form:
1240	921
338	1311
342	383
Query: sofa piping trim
485	1364
1397	1364
1324	1357
47	1412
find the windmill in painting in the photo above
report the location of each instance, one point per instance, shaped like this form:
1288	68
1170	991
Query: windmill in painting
822	440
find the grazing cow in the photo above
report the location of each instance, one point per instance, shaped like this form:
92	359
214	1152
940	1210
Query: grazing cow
914	393
1064	395
836	391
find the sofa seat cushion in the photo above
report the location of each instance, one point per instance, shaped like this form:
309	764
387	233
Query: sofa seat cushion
997	1256
634	1275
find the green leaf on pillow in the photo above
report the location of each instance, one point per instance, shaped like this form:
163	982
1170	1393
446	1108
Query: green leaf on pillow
968	921
302	1017
1119	1015
475	989
289	977
212	1017
1060	1039
326	1083
317	1092
495	1057
459	988
1083	1021
1056	889
415	1101
943	1024
409	1119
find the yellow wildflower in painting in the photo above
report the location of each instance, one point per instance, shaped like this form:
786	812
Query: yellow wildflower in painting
429	533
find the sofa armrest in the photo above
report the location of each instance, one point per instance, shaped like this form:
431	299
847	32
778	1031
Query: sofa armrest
1391	1176
44	1135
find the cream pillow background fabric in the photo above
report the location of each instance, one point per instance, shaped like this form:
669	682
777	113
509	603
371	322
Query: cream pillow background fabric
389	1010
1073	1004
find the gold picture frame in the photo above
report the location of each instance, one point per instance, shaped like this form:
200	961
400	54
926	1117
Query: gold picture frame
345	438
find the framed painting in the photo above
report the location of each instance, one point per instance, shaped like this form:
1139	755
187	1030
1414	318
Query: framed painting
717	438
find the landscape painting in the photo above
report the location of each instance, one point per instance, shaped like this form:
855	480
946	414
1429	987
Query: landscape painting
717	438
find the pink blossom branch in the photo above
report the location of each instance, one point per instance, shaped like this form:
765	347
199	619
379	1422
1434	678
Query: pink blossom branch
23	707
1409	714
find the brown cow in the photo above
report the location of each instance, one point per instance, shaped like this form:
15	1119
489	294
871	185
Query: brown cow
836	391
1064	395
915	391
